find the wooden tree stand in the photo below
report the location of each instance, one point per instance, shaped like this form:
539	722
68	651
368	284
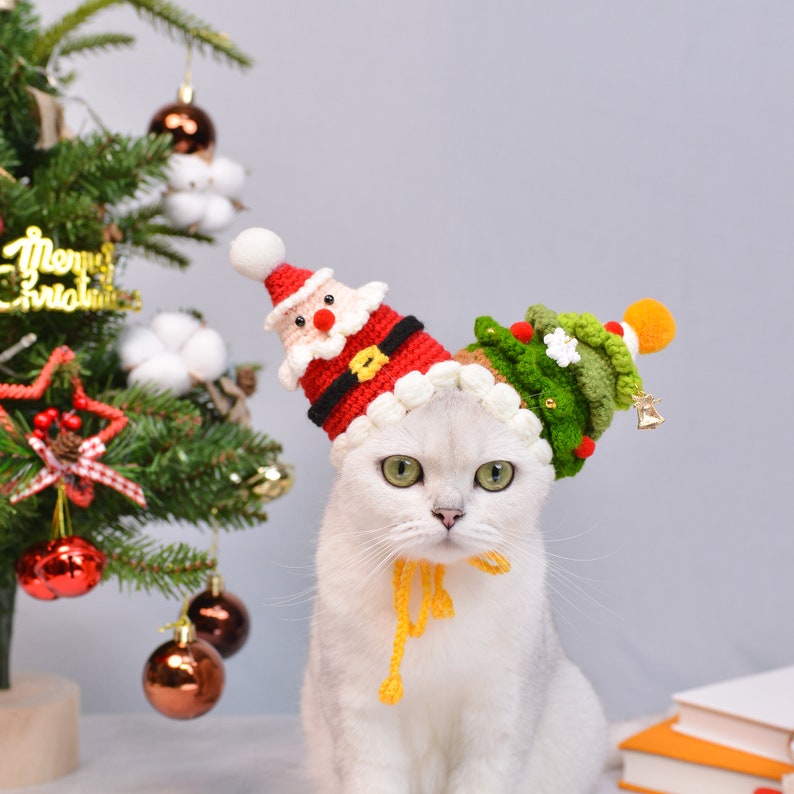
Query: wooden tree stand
39	729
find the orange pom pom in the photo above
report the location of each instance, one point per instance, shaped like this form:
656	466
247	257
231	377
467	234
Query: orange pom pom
652	322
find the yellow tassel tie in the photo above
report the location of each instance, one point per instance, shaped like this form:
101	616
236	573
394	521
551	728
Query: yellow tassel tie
435	600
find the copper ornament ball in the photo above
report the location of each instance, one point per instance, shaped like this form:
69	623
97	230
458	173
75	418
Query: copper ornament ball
220	618
191	128
183	678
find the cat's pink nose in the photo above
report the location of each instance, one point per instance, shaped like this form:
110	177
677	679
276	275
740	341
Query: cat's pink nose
324	320
447	516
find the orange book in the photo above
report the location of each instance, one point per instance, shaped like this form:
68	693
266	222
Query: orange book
660	760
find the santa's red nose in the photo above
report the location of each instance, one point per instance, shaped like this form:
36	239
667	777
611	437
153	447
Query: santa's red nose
324	319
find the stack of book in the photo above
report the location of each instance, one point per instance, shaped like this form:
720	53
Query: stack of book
734	737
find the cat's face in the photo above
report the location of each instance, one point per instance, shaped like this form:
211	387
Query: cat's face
447	483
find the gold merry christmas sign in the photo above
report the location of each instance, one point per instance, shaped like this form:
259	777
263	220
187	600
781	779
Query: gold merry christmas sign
37	276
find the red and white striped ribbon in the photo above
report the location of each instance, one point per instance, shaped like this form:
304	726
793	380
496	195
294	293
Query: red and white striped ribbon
85	466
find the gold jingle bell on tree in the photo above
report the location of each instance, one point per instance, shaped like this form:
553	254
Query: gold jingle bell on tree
220	618
184	677
270	482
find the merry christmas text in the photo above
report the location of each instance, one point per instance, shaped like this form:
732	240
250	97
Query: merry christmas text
87	285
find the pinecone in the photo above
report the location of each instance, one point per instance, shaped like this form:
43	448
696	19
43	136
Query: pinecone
66	446
246	380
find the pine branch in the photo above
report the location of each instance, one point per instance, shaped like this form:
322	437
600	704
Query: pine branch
143	564
101	42
191	30
51	37
148	236
160	14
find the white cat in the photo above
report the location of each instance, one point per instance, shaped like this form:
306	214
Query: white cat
491	705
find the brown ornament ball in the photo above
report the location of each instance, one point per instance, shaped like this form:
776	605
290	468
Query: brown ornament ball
191	128
184	678
220	618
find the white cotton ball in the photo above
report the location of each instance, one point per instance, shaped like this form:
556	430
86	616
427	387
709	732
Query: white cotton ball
136	344
188	172
226	177
174	328
165	371
185	208
205	355
257	252
218	214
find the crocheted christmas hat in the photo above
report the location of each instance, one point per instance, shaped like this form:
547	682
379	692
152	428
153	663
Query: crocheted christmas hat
573	372
554	380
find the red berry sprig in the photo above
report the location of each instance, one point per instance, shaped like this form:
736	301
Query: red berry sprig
43	421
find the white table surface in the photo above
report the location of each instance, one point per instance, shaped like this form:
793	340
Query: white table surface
228	755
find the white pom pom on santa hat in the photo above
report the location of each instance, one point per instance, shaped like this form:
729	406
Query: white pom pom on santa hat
256	253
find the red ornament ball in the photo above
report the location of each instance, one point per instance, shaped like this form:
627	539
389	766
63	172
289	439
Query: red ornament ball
221	619
25	570
522	331
183	678
191	128
614	327
62	568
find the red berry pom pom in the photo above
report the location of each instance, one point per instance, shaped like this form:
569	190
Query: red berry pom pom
522	331
586	448
614	327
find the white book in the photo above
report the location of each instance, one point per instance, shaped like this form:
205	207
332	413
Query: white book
754	713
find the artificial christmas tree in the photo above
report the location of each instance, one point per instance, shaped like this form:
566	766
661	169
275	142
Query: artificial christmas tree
88	458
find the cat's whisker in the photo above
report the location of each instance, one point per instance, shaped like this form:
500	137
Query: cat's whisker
293	599
563	577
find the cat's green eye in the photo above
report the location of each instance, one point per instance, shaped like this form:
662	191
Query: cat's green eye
402	471
494	475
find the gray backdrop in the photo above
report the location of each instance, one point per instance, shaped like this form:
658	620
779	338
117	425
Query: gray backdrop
480	157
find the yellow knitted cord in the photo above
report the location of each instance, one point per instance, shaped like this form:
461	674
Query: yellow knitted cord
492	562
435	600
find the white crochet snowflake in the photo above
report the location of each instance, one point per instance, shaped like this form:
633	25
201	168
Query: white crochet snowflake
561	347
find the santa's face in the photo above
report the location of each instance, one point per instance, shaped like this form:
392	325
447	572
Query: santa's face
318	326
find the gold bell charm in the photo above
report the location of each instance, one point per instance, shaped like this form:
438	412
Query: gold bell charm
648	418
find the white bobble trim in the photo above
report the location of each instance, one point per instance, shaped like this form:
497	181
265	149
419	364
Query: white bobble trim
476	379
541	449
339	449
445	373
502	402
413	390
358	430
256	253
385	410
526	425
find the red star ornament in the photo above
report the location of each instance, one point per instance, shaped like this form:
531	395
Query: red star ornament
78	475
